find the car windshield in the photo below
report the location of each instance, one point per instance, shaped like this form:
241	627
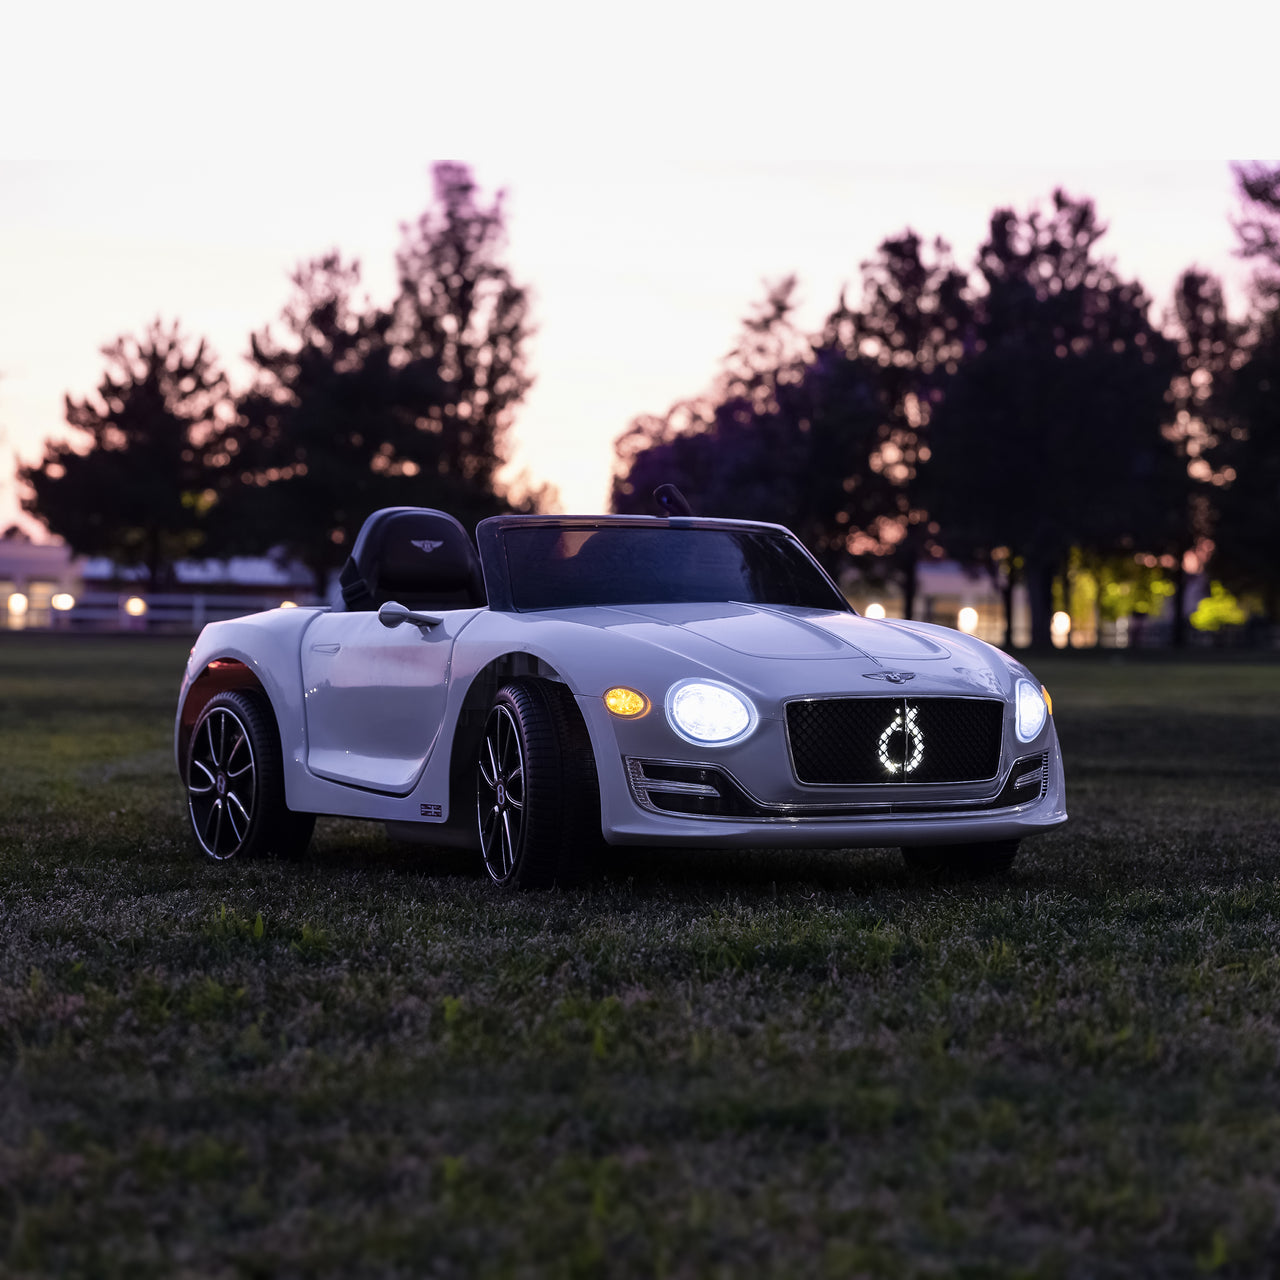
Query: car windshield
560	568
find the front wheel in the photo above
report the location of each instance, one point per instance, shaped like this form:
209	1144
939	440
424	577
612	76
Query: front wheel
968	861
235	783
537	799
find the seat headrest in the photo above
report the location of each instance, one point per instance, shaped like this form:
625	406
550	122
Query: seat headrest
421	557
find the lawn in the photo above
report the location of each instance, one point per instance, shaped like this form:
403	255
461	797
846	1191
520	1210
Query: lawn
370	1063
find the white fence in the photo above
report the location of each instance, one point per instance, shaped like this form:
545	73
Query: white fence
139	611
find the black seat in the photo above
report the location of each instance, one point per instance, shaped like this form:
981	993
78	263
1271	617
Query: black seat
420	557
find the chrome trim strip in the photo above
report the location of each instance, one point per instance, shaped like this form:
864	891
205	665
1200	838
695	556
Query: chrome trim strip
641	784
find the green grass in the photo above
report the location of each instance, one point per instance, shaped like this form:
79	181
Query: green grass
369	1063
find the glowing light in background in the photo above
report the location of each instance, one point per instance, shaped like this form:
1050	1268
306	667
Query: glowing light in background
1060	629
288	604
873	610
18	605
135	606
968	620
63	601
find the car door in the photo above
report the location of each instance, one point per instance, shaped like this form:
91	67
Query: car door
375	696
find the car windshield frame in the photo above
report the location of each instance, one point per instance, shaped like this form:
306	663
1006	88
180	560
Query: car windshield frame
516	553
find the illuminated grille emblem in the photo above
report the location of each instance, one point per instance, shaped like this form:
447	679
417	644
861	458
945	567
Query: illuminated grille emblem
902	744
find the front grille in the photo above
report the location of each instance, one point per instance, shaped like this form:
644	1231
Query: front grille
848	741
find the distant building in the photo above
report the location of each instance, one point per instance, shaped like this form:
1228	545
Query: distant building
952	596
32	576
42	585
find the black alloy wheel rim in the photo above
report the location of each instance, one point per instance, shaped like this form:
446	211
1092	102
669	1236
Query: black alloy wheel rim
500	793
221	783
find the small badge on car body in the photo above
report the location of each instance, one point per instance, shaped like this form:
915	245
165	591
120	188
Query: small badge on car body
893	677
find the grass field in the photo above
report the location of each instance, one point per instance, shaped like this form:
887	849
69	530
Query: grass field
370	1063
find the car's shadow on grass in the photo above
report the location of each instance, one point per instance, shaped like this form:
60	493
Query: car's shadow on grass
341	846
1071	861
1075	864
857	871
776	873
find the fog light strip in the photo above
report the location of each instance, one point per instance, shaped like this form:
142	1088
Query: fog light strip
676	788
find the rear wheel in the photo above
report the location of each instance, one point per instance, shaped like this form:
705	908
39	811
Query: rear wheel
994	857
235	783
537	799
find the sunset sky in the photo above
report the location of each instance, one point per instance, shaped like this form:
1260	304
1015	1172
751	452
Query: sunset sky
661	163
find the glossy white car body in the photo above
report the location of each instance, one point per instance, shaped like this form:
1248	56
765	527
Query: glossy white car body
384	721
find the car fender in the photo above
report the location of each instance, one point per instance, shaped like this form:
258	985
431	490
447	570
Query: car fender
268	645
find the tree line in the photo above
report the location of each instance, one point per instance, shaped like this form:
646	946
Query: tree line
1026	417
351	407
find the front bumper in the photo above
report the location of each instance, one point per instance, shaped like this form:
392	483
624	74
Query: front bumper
664	797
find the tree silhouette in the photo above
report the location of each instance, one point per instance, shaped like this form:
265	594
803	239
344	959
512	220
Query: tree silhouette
1247	554
1049	433
329	429
134	489
784	436
733	452
1207	343
460	310
355	407
770	353
825	435
1246	456
912	327
1259	226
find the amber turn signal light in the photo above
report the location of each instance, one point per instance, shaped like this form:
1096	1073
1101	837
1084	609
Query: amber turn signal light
625	702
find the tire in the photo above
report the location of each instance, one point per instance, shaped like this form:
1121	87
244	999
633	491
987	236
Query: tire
537	797
963	861
235	783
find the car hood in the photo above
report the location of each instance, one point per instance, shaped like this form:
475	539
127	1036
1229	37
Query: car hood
763	631
773	650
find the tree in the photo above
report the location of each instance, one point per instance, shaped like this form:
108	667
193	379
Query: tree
329	429
1246	456
912	326
1048	435
733	452
1207	342
358	407
795	430
133	486
770	353
460	309
1259	226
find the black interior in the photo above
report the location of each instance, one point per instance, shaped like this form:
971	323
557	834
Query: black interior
419	557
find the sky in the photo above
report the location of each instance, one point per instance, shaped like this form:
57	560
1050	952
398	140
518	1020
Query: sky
661	163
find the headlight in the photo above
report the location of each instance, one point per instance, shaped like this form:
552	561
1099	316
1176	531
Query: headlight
1032	710
709	713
